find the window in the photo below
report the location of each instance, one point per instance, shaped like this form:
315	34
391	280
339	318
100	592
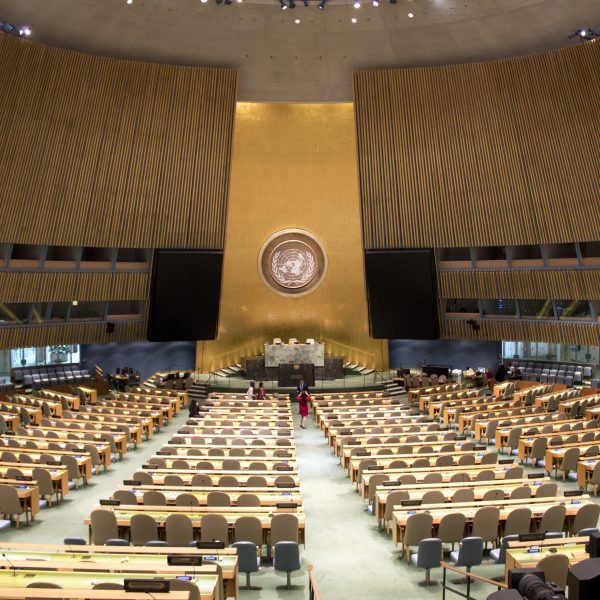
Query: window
536	309
573	309
499	308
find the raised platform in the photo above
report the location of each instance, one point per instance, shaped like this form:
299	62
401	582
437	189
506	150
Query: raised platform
255	369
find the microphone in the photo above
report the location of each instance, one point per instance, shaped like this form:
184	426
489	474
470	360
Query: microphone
14	569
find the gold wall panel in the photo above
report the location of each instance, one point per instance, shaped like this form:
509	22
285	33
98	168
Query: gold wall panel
293	166
493	153
102	152
538	284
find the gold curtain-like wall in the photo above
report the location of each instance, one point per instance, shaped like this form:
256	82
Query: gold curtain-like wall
494	153
294	166
102	152
107	153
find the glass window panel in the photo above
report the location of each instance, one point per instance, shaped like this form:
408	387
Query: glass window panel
21	357
573	309
499	308
536	309
89	311
462	306
39	312
12	313
59	311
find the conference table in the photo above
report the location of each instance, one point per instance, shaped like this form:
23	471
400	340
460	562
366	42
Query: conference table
526	555
20	578
416	491
28	492
114	558
158	475
537	505
267	496
58	473
502	433
188	452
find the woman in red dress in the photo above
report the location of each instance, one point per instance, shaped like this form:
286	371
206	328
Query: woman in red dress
303	399
261	391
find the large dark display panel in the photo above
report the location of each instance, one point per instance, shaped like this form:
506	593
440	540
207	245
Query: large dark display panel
402	294
185	295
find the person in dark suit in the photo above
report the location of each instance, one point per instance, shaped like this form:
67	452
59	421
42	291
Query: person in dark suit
501	373
194	408
302	387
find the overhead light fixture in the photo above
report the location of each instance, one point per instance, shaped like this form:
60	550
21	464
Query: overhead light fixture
375	2
283	4
14	30
297	21
357	4
129	1
354	19
410	15
322	4
585	34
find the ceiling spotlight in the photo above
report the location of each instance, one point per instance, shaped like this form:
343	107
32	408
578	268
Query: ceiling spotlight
357	4
297	21
375	2
291	4
410	15
26	31
129	1
354	19
283	4
204	1
585	34
322	4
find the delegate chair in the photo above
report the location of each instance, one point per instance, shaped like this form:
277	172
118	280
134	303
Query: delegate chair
428	556
286	557
248	561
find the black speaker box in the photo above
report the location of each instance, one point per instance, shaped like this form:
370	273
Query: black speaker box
584	580
593	546
402	294
515	576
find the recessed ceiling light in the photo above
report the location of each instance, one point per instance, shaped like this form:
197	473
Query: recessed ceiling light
354	19
357	4
297	21
26	31
410	15
375	2
129	1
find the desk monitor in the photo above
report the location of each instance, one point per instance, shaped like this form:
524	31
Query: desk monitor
148	586
210	545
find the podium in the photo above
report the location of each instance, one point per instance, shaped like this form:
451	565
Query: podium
290	374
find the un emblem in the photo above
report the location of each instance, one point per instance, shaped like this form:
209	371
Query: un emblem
292	262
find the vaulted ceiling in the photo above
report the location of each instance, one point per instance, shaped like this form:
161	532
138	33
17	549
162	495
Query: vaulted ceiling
280	59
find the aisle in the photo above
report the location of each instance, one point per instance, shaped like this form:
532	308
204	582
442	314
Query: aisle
351	557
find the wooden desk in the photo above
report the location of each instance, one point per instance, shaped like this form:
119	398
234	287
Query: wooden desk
537	505
29	494
158	475
134	557
59	474
91	394
502	433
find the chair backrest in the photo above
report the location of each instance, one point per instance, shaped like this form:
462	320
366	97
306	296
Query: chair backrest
394	499
418	527
553	519
286	556
248	529
125	497
185	586
179	530
214	527
258	481
430	553
248	500
154	498
433	497
186	499
201	480
503	546
217	498
586	518
485	523
518	521
143	529
228	481
143	478
547	490
470	553
556	568
284	527
104	526
452	527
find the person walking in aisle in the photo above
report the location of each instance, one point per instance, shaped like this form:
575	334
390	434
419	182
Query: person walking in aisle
261	391
303	400
250	394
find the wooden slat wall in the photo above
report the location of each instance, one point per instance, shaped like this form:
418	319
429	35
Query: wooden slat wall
65	287
494	153
75	333
103	152
531	284
553	332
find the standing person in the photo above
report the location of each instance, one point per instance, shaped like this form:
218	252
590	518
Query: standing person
302	387
303	398
500	375
194	408
261	391
250	394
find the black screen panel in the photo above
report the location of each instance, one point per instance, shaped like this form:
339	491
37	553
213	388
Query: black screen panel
402	294
185	295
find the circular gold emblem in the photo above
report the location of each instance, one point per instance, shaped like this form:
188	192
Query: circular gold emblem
292	262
